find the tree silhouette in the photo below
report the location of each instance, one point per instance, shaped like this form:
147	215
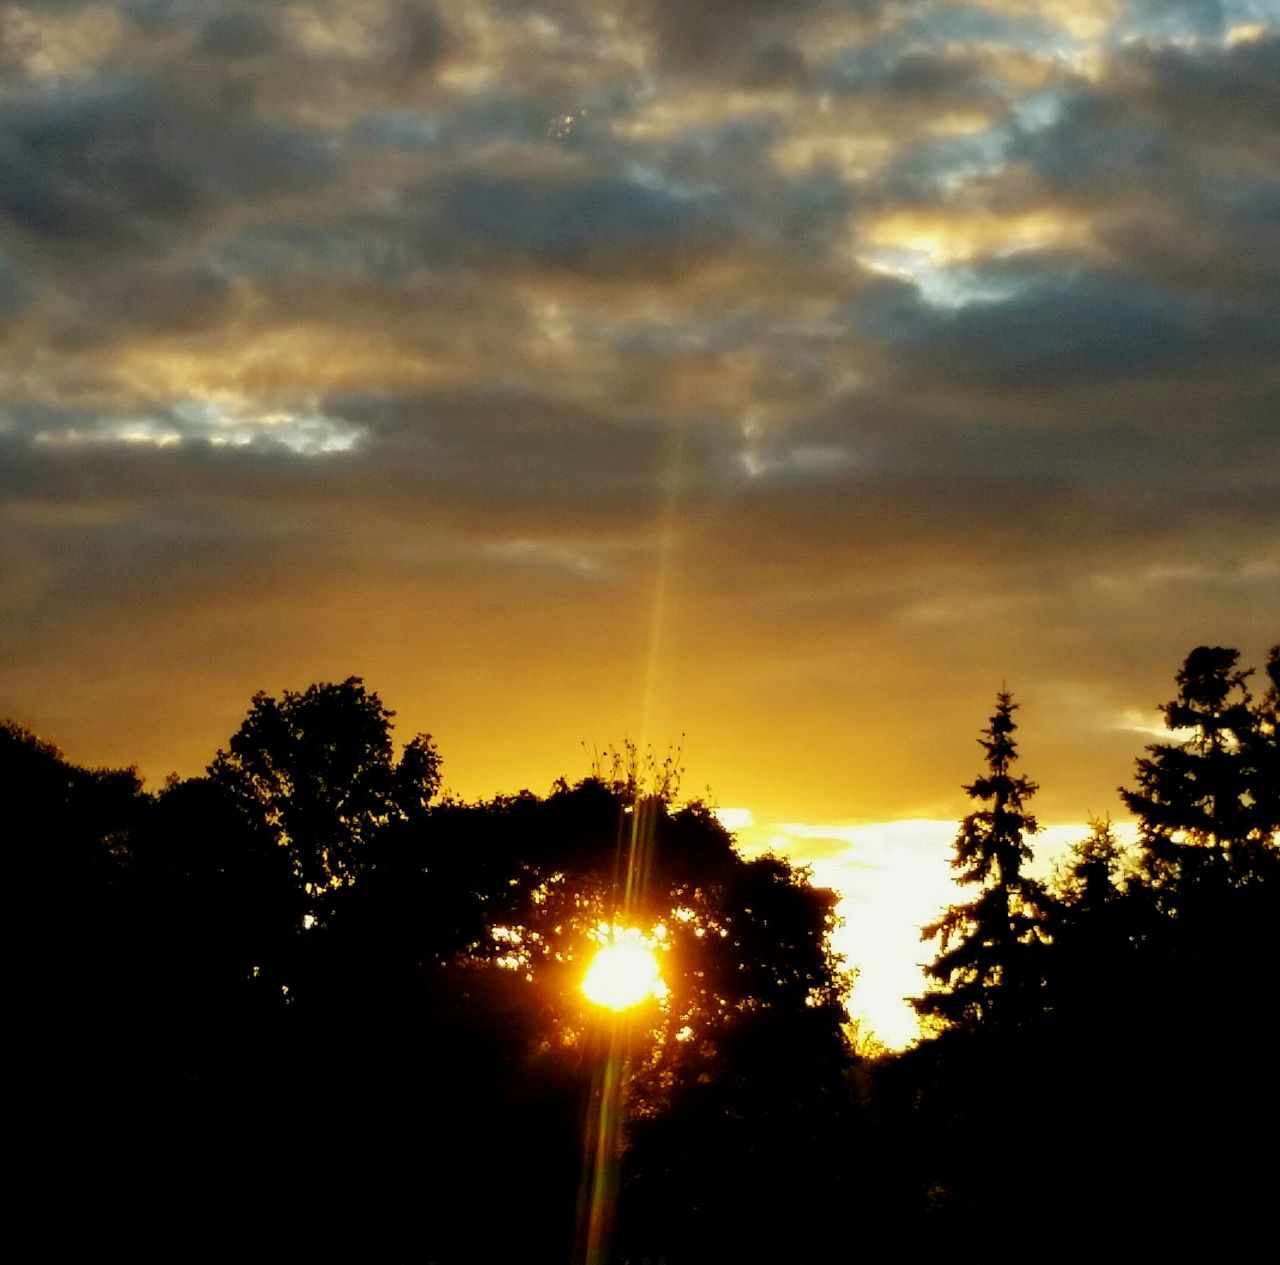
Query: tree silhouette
1099	918
988	967
450	953
1199	918
305	1000
317	770
1263	754
1195	799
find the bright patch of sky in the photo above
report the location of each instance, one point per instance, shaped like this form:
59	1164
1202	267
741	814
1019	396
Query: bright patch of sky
893	878
940	286
221	422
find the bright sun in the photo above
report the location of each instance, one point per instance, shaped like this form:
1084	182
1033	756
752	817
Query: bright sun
623	972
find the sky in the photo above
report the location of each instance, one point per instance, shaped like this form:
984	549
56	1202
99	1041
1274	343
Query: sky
788	375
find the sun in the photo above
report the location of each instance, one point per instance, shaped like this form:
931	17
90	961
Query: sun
624	972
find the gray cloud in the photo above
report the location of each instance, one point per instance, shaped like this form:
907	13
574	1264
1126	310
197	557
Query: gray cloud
750	41
354	335
115	161
606	226
238	33
1163	19
1051	326
14	293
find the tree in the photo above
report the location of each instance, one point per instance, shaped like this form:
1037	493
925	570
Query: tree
478	923
1088	881
1099	920
1208	812
1263	753
988	966
317	769
1195	798
1201	916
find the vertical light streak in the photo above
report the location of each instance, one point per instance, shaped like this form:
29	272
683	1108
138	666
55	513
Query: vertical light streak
673	470
598	1194
606	1117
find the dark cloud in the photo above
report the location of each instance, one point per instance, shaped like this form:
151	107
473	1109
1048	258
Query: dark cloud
611	226
237	33
1163	120
1097	145
1223	96
1050	326
1222	240
917	76
1174	156
112	161
14	292
750	41
417	37
482	120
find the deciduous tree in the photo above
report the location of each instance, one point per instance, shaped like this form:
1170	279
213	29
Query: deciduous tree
318	769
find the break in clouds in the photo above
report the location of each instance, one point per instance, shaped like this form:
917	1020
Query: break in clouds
375	335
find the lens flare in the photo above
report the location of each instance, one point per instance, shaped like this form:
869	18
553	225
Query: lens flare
623	973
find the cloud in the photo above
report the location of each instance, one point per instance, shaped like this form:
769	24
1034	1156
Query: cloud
238	33
1052	324
114	161
747	41
1182	19
902	340
598	226
14	294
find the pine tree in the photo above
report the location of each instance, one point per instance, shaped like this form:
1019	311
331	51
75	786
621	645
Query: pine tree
1200	801
988	970
1263	755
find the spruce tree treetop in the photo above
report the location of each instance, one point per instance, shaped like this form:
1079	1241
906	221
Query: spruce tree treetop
1195	791
1207	801
1264	754
987	968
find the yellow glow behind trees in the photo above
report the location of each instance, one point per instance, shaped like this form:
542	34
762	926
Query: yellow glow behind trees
624	971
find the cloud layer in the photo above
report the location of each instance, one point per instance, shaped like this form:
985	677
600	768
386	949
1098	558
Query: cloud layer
785	372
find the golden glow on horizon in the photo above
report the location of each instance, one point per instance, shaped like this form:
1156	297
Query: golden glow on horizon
735	818
892	878
624	971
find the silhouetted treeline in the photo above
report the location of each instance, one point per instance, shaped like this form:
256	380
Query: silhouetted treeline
303	1007
1103	1069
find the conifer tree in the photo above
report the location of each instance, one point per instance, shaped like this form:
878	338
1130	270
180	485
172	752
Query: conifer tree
1201	800
1263	754
988	969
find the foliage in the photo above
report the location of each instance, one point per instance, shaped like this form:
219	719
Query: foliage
307	1000
988	965
317	770
1262	751
1197	793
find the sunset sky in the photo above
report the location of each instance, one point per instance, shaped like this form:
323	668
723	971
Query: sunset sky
788	374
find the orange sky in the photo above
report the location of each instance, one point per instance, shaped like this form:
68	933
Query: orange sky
787	374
